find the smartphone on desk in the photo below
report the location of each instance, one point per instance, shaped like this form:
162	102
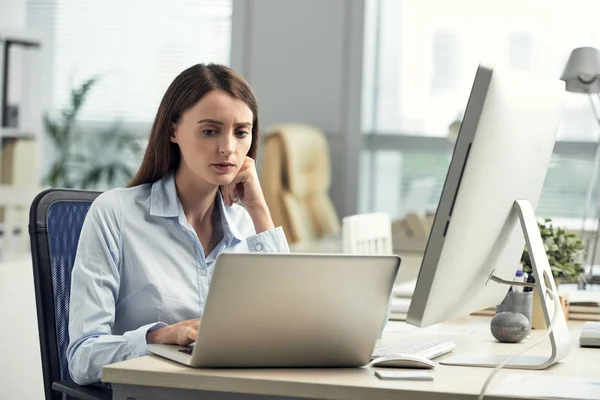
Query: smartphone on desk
401	375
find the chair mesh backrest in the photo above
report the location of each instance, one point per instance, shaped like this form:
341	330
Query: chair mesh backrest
64	219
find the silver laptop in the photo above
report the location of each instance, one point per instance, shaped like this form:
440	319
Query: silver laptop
290	310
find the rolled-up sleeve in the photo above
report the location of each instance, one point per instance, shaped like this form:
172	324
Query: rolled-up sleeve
271	241
95	283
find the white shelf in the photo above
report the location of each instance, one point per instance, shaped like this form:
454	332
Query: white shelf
21	35
16	133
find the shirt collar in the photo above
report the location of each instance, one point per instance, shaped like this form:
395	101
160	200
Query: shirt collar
165	203
163	197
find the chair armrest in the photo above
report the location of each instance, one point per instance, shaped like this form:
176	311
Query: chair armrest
91	392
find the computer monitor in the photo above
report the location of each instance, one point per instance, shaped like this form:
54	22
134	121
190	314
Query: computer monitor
501	155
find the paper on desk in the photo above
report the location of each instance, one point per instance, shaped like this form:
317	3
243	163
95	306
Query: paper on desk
547	387
583	297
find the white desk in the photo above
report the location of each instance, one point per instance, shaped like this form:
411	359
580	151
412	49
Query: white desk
152	378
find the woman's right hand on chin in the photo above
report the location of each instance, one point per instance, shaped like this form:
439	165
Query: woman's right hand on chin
182	333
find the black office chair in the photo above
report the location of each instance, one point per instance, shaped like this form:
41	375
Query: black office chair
55	222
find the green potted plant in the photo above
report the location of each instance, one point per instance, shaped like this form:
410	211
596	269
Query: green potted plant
565	253
87	160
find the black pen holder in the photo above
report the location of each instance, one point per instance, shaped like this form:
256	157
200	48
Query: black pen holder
517	302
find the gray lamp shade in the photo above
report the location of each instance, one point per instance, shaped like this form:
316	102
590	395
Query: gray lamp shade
582	72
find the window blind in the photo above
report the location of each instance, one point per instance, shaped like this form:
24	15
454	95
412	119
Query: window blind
135	47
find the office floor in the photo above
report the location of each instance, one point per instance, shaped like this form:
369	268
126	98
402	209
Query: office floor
21	372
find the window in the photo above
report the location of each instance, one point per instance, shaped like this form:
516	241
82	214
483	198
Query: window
135	47
421	57
520	50
444	56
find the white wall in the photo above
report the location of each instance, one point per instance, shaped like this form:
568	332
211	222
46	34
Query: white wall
12	14
304	61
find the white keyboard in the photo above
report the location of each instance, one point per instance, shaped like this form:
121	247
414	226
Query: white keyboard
429	350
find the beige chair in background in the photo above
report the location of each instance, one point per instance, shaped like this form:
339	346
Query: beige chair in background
295	174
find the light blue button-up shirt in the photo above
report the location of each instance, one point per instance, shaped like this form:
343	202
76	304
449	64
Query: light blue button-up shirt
140	266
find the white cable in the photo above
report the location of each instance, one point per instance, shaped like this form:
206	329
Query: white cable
557	310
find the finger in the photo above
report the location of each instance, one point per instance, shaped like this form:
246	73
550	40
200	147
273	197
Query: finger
232	194
242	179
244	176
192	322
251	167
243	167
192	333
247	164
183	337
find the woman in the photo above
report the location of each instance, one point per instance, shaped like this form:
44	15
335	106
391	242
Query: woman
147	252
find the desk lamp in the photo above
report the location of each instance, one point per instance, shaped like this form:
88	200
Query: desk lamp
582	75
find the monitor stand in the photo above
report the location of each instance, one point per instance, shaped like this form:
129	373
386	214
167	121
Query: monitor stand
560	339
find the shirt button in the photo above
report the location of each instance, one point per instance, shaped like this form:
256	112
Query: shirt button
259	247
202	272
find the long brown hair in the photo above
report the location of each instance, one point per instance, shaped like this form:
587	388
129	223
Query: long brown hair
163	156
